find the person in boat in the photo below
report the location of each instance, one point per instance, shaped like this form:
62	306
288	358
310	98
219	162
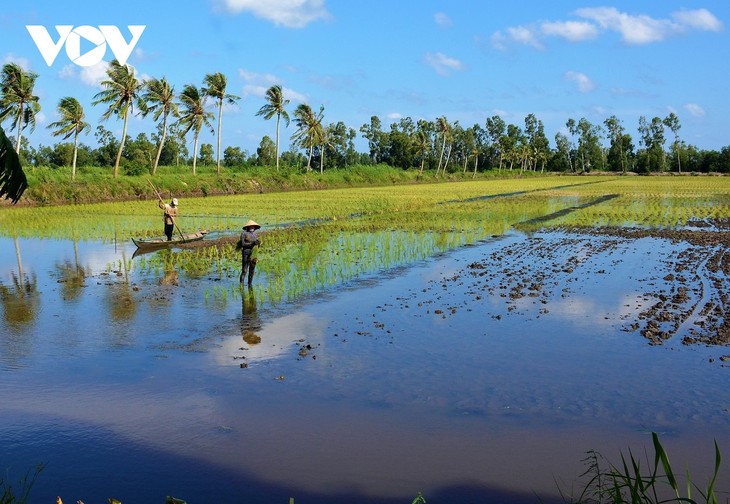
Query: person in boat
170	215
248	241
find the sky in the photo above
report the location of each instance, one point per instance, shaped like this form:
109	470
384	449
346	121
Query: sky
466	60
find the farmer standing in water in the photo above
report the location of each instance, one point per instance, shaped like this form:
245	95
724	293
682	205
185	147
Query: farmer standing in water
247	243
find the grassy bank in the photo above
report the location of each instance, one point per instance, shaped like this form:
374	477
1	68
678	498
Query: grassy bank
53	186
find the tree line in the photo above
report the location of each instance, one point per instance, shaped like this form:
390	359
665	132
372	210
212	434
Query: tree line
439	145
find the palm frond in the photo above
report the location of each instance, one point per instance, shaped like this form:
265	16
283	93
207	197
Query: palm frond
13	182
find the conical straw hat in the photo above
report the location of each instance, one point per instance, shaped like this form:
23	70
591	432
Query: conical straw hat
252	224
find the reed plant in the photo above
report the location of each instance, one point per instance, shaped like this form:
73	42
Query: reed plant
21	495
631	482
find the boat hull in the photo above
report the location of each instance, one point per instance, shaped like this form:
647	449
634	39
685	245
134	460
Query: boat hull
154	244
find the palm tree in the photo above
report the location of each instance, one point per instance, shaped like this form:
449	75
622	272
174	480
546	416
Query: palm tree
121	92
18	100
443	127
71	123
159	97
275	107
215	86
194	116
309	129
12	178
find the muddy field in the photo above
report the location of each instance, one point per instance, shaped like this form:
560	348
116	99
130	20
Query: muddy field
686	299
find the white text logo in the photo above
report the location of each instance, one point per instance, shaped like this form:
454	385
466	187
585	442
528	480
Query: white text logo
97	38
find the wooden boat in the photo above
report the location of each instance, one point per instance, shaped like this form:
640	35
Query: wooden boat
145	245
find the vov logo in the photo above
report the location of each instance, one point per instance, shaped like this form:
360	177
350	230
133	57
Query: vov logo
98	38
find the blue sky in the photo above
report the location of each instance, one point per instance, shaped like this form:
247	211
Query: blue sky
463	59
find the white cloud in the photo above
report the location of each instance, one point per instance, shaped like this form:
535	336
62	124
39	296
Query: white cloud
574	31
93	75
498	41
443	20
288	13
257	84
395	116
257	78
701	19
694	109
640	29
443	64
524	35
633	28
585	85
11	58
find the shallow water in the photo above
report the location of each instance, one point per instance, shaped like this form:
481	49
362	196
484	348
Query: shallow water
420	379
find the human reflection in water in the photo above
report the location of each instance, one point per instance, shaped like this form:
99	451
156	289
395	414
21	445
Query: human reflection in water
250	323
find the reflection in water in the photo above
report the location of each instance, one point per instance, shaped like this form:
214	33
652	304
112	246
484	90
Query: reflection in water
21	305
72	276
20	300
122	305
250	323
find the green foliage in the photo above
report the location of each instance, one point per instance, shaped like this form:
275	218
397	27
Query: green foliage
630	483
420	499
13	182
8	495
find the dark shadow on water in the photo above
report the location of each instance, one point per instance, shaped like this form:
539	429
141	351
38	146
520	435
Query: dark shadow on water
130	472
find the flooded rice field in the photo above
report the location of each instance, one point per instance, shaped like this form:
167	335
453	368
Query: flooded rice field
482	372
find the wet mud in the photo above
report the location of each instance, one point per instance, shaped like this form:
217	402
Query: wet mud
686	300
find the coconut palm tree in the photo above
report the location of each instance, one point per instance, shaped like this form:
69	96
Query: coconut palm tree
18	101
159	97
194	116
215	86
121	93
71	123
442	127
12	178
309	129
275	107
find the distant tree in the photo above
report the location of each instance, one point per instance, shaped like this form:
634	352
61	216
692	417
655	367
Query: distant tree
193	116
120	92
652	157
266	153
496	128
215	86
672	122
62	154
443	128
275	107
310	132
590	153
511	144
18	101
206	154
140	153
71	123
108	146
373	133
339	144
617	159
159	97
234	156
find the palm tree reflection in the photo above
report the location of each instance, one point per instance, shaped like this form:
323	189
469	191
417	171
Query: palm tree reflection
72	276
20	299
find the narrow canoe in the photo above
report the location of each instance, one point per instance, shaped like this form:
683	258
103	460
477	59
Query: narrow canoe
157	243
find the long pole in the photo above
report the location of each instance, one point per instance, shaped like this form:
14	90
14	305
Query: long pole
163	203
